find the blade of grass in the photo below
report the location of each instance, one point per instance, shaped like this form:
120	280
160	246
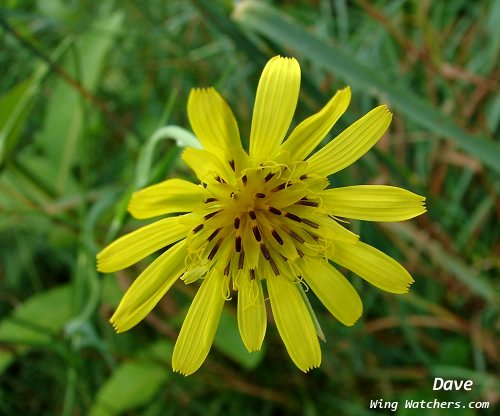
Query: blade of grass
264	20
449	262
63	124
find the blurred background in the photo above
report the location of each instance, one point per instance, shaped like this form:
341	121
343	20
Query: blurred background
84	86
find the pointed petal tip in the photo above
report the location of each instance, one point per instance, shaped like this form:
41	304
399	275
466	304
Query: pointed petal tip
346	90
351	323
355	317
410	283
180	371
283	58
312	366
386	108
112	321
252	348
197	90
101	265
117	326
131	208
406	289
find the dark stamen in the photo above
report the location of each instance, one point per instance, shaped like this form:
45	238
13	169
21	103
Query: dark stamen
303	177
310	223
238	244
231	163
252	214
274	211
277	237
214	249
293	234
315	237
252	274
256	233
218	179
210	200
226	270
241	260
212	214
204	184
299	253
265	252
307	203
269	177
236	223
260	195
244	179
293	217
197	228
212	236
274	267
279	187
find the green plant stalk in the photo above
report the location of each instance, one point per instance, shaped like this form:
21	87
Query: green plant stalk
317	326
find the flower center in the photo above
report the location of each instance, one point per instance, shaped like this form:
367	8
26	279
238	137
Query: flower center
258	222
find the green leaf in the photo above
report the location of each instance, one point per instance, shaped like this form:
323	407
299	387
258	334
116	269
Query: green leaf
263	19
64	121
182	137
135	382
228	341
39	318
15	106
452	264
6	357
111	292
35	322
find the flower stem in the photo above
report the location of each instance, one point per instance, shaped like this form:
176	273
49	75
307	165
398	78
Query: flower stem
317	326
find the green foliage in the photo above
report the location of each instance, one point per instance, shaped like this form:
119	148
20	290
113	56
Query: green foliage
36	322
14	108
87	92
229	342
134	383
274	25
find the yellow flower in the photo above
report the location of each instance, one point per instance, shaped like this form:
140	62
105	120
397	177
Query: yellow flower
262	218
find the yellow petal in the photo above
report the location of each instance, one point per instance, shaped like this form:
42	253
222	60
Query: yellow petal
373	203
151	285
250	247
252	320
138	244
372	265
309	134
172	195
204	164
279	240
275	104
330	229
352	143
199	327
294	323
212	120
333	290
281	200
